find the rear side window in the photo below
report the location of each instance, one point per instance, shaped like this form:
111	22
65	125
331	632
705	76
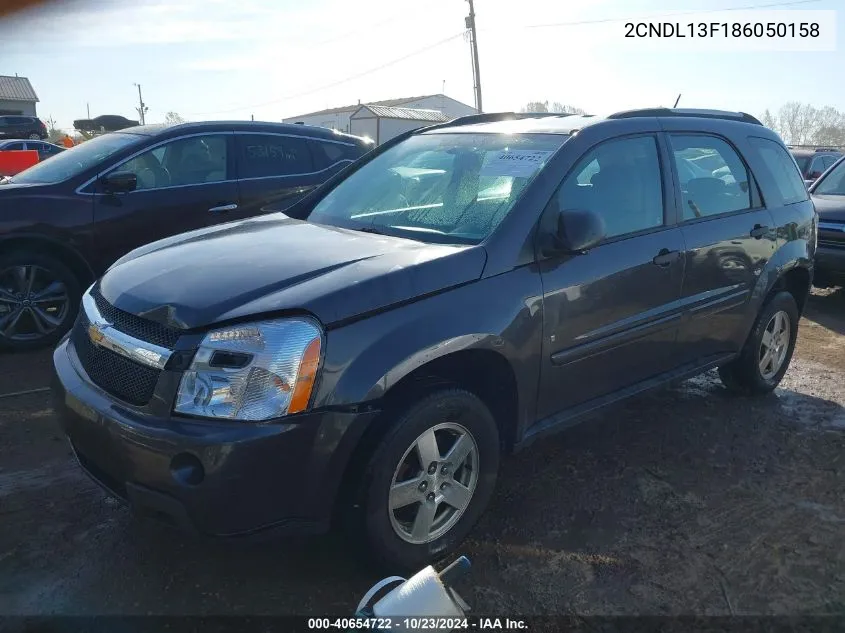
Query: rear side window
712	176
620	181
266	155
13	146
789	182
327	154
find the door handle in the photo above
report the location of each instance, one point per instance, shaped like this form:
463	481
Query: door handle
666	257
759	231
223	209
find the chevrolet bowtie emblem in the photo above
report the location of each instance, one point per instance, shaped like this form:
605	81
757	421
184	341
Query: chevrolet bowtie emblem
95	333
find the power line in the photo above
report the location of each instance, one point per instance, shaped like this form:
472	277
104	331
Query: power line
658	15
392	62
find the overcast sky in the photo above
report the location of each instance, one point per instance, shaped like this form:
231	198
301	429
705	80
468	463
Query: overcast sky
218	59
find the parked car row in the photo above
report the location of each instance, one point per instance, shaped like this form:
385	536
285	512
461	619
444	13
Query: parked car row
453	295
814	162
64	221
45	150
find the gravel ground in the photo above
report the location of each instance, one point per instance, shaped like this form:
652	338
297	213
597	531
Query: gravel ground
685	501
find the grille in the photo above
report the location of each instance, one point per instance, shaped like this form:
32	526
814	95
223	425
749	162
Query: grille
121	377
132	325
832	243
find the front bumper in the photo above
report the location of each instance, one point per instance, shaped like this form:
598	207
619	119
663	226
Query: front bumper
830	263
215	478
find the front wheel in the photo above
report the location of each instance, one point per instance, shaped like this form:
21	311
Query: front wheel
39	299
430	479
765	358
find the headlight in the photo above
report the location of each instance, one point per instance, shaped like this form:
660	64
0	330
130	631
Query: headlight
254	371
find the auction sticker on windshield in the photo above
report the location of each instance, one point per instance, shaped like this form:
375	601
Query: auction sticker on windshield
517	163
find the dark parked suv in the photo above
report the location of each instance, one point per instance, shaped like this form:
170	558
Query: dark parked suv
16	126
828	194
814	162
458	293
64	221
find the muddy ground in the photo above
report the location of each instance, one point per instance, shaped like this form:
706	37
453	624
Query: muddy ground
686	501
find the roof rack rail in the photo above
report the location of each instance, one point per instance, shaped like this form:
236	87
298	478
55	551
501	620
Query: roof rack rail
492	117
687	112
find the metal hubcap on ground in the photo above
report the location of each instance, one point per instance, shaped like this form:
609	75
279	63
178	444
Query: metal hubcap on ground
33	303
774	345
433	483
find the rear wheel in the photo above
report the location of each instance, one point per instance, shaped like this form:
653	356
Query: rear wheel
430	479
765	358
34	137
39	298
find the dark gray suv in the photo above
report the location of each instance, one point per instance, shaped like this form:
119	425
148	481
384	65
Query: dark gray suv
454	295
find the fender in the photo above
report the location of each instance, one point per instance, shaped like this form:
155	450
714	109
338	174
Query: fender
54	242
793	254
501	314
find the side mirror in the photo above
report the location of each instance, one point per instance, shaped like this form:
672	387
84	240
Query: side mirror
119	182
813	175
578	230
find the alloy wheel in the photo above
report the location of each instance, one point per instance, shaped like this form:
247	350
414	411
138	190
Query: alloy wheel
433	484
33	302
774	345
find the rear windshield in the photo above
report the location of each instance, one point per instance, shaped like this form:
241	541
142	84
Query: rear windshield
77	159
440	188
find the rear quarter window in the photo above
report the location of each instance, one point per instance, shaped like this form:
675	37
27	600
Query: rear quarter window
789	184
327	154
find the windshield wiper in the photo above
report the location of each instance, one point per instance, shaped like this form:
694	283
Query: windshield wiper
369	229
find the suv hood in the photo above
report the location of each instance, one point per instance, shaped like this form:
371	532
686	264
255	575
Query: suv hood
830	208
275	263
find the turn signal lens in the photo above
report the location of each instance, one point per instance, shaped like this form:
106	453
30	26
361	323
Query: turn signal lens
306	378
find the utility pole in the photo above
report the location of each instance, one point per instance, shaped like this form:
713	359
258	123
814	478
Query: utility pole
476	73
142	109
88	109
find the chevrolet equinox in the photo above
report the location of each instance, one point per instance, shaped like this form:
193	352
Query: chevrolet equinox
456	294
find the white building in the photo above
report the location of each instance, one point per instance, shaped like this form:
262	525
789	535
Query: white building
17	96
382	123
339	118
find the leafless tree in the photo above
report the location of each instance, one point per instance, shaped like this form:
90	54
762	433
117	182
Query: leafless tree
536	106
172	118
557	106
803	124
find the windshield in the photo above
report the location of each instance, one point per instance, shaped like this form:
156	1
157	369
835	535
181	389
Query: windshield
75	160
442	188
833	184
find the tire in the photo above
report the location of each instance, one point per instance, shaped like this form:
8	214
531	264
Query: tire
34	137
60	303
396	457
744	375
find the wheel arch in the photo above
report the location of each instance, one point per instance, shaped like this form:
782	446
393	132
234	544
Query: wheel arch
66	253
482	371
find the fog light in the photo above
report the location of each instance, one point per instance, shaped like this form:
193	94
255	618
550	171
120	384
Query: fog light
187	469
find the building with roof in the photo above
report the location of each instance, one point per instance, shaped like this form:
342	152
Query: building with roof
17	96
339	118
381	123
